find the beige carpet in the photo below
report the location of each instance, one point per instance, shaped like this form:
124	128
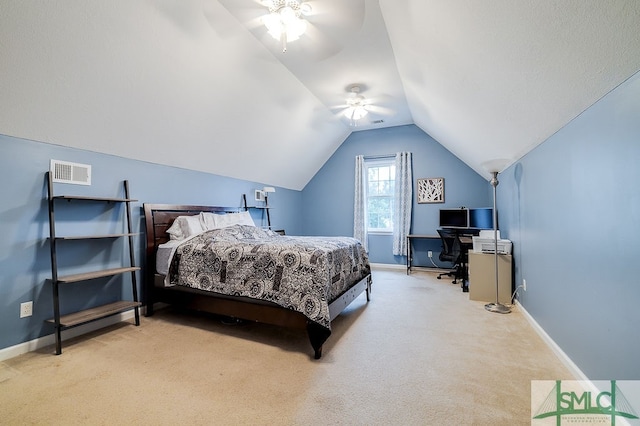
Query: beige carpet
420	353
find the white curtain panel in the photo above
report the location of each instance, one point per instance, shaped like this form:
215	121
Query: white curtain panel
403	199
359	213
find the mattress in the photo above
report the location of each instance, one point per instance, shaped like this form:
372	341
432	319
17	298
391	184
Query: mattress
163	256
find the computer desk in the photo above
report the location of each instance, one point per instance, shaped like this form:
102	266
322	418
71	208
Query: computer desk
467	243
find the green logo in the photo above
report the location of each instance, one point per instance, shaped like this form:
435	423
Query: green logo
580	406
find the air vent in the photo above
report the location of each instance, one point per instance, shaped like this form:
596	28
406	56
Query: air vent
66	172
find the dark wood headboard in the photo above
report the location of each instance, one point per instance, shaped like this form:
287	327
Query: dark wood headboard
159	217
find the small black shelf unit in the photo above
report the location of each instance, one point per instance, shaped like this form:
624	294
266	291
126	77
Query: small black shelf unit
73	319
263	208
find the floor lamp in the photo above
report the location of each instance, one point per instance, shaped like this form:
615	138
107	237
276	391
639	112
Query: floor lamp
497	306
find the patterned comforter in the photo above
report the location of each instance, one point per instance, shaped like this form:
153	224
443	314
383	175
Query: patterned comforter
304	274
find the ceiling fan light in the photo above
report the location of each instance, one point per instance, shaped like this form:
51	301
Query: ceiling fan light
305	9
274	24
295	29
288	15
284	22
359	113
355	113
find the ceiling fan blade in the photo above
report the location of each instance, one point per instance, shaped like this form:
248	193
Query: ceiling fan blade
380	99
249	13
337	15
319	44
330	24
380	110
342	106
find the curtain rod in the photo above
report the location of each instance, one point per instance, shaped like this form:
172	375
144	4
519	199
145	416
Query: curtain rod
375	157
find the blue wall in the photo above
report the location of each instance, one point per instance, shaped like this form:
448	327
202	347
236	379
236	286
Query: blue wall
24	250
572	208
328	198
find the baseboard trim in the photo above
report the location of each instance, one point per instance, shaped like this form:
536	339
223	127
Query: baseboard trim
564	358
394	266
403	267
41	342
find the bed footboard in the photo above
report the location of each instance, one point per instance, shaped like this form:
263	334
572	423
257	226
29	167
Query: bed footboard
318	335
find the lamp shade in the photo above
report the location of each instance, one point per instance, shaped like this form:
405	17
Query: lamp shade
496	166
268	189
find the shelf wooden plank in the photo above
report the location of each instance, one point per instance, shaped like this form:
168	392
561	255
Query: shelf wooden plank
79	197
98	312
96	274
90	237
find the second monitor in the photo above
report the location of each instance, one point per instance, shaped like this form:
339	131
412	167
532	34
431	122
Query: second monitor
480	218
454	218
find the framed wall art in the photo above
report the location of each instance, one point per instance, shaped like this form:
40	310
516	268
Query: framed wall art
431	190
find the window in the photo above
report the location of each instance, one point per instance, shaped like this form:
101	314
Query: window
380	184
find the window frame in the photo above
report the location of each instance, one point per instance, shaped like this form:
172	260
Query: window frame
376	163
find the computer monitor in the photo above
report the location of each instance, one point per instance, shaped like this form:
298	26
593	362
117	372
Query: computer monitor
481	218
454	218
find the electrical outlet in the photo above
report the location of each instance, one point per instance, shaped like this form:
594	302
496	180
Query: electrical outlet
430	253
524	284
26	309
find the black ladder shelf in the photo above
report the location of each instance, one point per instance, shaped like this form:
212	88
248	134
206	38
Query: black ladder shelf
263	208
73	319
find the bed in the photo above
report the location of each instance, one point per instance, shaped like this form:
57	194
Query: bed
249	273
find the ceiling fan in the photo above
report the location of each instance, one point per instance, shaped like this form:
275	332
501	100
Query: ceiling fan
286	20
322	26
357	107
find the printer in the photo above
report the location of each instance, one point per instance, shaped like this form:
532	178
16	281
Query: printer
485	243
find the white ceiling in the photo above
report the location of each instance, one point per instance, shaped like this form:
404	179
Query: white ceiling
198	84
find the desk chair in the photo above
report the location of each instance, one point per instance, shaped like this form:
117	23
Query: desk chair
452	251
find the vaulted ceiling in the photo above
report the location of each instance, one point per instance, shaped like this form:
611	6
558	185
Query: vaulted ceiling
199	84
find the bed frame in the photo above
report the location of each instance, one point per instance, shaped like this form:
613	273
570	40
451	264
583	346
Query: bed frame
159	217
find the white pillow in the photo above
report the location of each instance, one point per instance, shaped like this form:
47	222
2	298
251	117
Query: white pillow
230	219
184	227
208	220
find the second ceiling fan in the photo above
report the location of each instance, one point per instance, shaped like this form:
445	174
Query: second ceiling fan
357	107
